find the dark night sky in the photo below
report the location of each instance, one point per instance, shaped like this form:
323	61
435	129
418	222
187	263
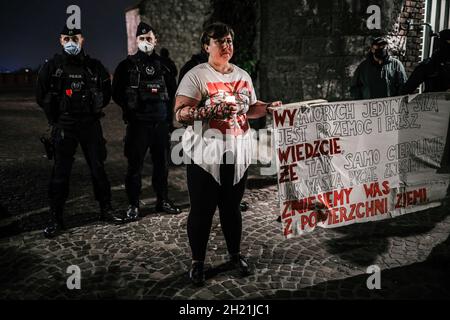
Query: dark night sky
29	30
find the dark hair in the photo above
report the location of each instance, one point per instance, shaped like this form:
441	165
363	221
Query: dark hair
215	30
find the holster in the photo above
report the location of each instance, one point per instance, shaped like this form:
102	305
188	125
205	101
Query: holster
49	146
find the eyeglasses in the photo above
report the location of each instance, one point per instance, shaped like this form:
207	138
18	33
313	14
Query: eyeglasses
73	38
223	41
149	39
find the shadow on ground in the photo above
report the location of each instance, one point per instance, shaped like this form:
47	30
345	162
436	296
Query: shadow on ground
363	243
429	279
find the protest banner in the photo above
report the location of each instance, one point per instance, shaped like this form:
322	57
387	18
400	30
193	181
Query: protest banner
358	161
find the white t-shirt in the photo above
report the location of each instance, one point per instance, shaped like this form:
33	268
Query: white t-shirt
211	87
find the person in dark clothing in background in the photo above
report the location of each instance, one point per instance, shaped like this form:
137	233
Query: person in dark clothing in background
144	87
72	89
196	59
380	75
434	72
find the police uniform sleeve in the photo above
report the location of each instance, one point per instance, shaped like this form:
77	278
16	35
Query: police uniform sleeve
171	84
119	85
416	78
43	88
174	69
105	81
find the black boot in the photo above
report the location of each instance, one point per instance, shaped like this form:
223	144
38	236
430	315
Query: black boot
167	206
239	262
132	214
107	213
196	274
243	206
55	224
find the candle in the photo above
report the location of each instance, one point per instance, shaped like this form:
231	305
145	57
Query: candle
230	99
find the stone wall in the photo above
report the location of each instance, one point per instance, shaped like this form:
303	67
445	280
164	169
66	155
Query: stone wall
310	48
413	11
178	23
305	49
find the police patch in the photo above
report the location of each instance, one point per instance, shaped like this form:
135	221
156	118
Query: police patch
76	85
150	70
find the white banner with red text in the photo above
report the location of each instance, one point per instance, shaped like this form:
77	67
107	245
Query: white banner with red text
357	161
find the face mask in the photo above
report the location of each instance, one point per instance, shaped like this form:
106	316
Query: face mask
381	53
72	48
146	46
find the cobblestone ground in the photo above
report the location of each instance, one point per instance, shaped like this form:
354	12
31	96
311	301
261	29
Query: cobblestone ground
149	259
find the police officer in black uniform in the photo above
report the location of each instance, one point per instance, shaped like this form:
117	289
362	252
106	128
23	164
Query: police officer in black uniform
144	88
73	88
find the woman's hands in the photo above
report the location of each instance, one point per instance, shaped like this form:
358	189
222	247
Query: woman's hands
271	106
187	110
259	109
182	109
182	115
225	110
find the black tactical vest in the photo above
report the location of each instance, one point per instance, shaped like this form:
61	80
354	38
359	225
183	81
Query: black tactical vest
147	87
78	87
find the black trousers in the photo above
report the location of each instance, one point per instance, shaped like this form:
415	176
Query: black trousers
90	137
205	196
140	137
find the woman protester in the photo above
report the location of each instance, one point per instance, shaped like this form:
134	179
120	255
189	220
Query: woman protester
217	95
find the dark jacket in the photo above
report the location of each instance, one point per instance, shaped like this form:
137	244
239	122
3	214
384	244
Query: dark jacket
434	72
50	97
373	80
195	60
171	65
122	82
